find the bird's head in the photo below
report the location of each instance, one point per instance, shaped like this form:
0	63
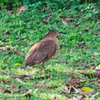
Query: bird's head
52	33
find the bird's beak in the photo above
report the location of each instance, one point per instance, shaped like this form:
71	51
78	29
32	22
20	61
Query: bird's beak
59	32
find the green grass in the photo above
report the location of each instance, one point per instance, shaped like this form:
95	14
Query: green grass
78	44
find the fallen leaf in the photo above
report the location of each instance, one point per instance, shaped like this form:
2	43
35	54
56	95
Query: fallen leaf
46	19
16	91
11	52
28	94
77	24
5	40
92	68
43	10
90	74
4	90
20	81
31	77
96	54
87	92
20	9
32	44
23	76
71	96
7	48
86	89
98	80
69	89
74	82
65	19
97	68
3	80
17	64
6	31
5	7
2	44
82	71
17	52
78	61
72	85
57	98
97	7
93	74
45	87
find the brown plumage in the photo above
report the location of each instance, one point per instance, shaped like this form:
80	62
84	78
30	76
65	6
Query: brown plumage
43	50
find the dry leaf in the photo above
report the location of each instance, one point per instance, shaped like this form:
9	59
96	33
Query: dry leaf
46	19
3	80
71	96
11	52
43	10
90	74
2	44
82	71
4	90
96	54
22	76
72	85
98	80
69	89
74	82
4	7
49	87
30	76
20	81
97	7
7	48
4	40
32	44
88	92
57	98
93	74
65	19
28	94
97	68
6	31
20	9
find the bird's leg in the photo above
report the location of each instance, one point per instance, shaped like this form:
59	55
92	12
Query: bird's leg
43	67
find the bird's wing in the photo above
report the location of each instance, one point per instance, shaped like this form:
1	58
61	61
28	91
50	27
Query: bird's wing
43	52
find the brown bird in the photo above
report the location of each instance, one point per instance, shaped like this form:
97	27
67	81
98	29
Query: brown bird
43	50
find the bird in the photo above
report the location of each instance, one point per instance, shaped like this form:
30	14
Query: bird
43	50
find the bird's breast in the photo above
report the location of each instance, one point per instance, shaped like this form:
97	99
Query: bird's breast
57	45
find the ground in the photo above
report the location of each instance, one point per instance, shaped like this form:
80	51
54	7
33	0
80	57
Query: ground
79	54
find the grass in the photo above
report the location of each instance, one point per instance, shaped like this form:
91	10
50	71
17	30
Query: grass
78	44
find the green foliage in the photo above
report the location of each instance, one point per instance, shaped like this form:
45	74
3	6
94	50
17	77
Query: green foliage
79	43
2	2
11	4
54	4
